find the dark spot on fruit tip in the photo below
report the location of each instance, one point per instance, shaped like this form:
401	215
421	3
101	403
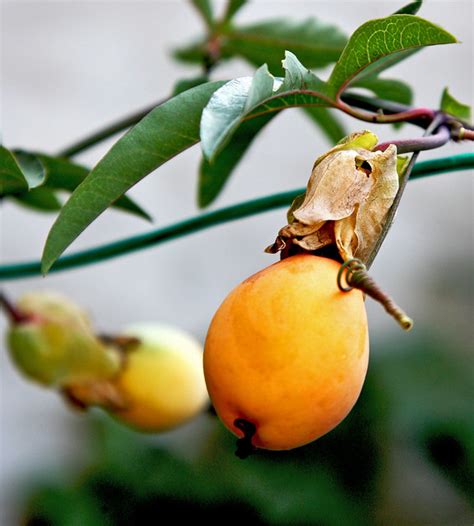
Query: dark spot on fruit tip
245	448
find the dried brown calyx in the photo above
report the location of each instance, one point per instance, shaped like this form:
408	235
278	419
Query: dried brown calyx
348	196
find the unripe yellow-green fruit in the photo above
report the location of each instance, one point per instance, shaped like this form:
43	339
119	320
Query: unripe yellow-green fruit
161	383
51	341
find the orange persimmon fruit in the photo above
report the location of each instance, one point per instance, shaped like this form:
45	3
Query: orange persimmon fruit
287	351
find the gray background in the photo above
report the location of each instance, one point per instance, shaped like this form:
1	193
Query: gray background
69	67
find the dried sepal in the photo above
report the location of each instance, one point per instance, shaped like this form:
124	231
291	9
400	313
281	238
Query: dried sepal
348	195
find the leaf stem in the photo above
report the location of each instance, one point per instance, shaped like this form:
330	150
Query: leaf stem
387	107
465	135
195	224
424	115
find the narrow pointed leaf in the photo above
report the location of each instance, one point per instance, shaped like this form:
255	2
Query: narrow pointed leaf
382	38
233	6
452	106
213	176
185	84
410	9
63	174
42	199
326	120
204	7
166	131
194	53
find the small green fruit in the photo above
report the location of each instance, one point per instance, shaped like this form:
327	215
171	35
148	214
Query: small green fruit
51	341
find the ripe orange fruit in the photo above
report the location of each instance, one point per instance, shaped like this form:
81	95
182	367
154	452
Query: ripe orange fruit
287	351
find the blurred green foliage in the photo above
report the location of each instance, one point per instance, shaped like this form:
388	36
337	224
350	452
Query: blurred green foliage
418	396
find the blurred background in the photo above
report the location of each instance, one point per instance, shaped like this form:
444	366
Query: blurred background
405	455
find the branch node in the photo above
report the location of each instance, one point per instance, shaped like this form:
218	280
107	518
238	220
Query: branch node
356	276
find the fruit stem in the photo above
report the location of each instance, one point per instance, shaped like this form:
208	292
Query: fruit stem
245	448
357	277
465	135
13	313
438	139
122	343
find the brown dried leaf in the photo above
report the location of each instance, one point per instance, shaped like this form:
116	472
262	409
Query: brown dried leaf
334	188
372	211
348	196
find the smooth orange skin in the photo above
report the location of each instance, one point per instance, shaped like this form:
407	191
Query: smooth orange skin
288	351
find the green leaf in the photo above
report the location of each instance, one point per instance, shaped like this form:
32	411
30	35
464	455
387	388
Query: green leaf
185	84
328	122
222	114
374	42
166	131
23	172
261	87
204	7
410	9
194	53
402	164
363	139
63	174
452	106
32	168
42	199
388	89
19	171
12	178
213	176
228	108
232	7
317	44
299	77
379	39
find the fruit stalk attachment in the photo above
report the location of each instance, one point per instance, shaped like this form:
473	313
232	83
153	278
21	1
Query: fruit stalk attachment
357	277
15	315
245	448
